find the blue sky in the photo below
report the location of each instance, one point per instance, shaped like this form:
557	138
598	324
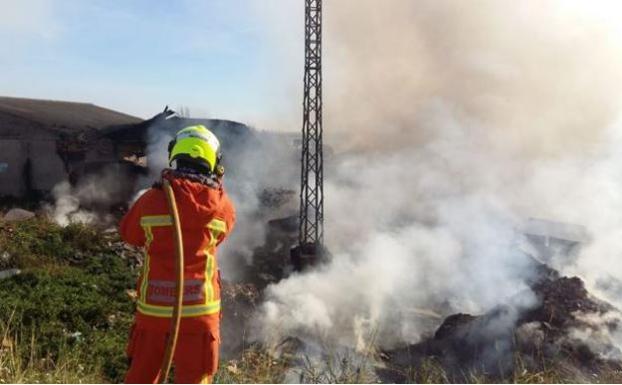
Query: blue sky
236	59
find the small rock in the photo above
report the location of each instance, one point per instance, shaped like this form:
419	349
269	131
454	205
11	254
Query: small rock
17	214
9	273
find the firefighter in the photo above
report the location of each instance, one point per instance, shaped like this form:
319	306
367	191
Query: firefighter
207	217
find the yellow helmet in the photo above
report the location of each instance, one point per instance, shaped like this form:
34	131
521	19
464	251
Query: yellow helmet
196	144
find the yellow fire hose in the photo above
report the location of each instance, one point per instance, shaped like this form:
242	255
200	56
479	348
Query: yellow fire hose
179	284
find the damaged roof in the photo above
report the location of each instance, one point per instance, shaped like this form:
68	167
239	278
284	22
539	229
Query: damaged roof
558	230
61	116
229	132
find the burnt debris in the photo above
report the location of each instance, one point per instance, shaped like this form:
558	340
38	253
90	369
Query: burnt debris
43	143
530	331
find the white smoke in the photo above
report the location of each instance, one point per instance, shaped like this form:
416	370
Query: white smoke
601	335
87	202
262	165
90	200
158	138
66	208
411	244
258	161
456	122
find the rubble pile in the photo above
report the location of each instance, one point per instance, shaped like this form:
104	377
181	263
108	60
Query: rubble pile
239	304
532	333
532	330
271	261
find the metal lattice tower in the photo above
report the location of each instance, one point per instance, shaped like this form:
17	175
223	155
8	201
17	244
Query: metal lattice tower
312	171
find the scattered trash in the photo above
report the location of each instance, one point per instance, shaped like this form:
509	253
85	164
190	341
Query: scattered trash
133	294
75	335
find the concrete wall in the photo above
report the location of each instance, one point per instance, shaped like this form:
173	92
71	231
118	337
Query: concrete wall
28	145
12	162
46	167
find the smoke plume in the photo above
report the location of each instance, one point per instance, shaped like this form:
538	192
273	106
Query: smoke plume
454	122
89	200
66	208
254	163
530	78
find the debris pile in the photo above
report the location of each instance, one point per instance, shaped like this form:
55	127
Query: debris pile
239	302
271	261
530	332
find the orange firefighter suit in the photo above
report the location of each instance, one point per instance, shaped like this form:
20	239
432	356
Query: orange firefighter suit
207	216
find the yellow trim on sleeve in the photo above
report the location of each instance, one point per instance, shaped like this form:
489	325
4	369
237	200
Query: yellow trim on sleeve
156	220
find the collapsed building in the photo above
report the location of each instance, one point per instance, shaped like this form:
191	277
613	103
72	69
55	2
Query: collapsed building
44	143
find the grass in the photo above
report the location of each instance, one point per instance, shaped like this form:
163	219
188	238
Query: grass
254	366
559	370
22	361
66	317
41	243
